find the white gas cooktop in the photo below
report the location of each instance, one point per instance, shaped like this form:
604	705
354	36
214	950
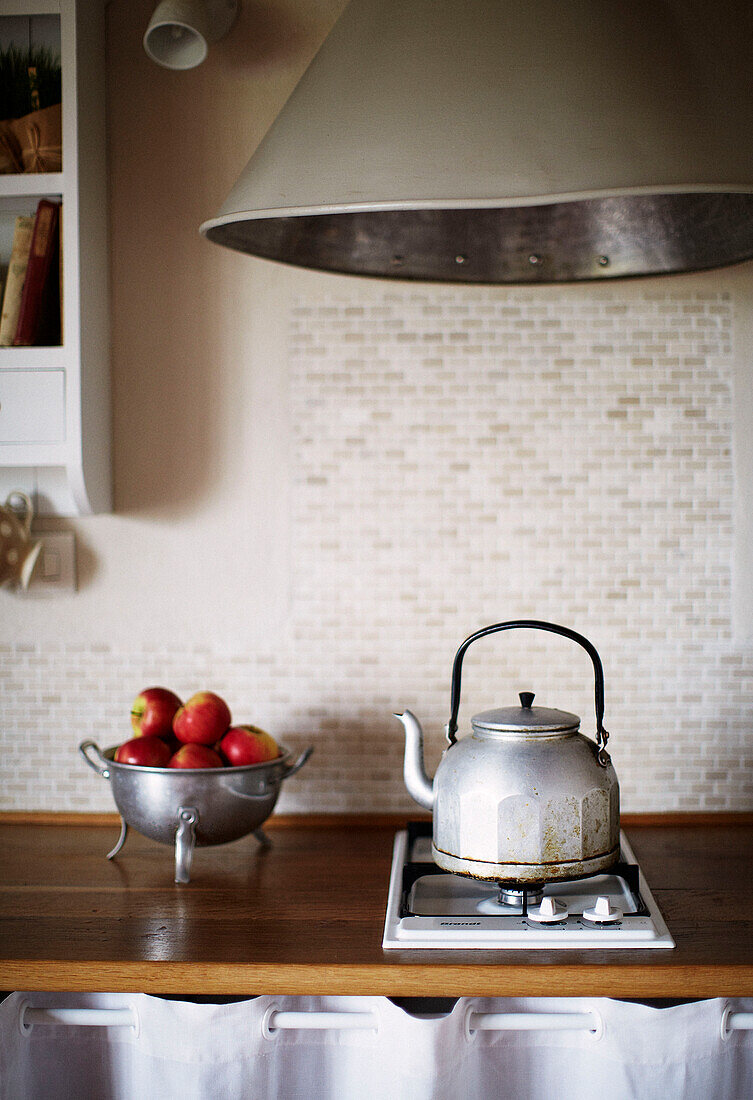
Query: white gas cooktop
429	908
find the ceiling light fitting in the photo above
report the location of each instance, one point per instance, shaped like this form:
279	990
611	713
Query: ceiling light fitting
180	32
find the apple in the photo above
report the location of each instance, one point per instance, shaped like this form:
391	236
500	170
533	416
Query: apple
195	756
248	745
202	720
150	752
153	711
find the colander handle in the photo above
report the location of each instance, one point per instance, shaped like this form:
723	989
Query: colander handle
602	735
100	768
298	763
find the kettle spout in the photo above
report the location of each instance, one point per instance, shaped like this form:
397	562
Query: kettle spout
420	787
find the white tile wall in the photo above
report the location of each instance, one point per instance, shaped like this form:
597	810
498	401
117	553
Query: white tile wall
460	458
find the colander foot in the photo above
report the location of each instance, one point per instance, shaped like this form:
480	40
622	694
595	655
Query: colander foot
121	839
185	838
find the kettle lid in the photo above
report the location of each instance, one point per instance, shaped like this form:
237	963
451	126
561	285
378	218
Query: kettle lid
526	718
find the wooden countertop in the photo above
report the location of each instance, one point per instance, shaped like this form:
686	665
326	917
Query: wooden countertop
306	916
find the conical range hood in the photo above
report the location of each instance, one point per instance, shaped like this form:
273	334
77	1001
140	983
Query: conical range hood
510	141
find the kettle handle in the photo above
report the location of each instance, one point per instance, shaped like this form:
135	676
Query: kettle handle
602	735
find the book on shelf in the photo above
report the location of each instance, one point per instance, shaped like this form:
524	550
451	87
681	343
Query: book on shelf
39	312
14	283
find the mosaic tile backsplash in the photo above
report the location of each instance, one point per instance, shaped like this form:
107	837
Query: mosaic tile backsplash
460	458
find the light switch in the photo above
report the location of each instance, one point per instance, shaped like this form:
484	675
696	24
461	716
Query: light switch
50	564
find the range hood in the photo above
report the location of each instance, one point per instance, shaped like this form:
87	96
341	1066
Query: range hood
510	141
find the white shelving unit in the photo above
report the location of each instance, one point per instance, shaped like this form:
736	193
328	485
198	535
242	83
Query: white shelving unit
55	401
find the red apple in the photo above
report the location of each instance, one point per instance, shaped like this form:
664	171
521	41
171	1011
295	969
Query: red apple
150	752
202	720
248	745
195	756
153	711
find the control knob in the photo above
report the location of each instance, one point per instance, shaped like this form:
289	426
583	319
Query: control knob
603	912
549	912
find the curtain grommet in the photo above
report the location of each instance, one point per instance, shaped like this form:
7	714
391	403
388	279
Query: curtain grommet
469	1033
25	1028
268	1030
724	1028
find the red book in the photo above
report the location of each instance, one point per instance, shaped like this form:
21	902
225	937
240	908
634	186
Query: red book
39	315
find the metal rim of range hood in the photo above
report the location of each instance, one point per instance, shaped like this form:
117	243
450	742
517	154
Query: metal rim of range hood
510	141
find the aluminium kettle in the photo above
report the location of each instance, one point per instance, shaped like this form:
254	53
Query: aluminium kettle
526	798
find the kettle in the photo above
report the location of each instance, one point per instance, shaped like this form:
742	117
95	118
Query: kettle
526	798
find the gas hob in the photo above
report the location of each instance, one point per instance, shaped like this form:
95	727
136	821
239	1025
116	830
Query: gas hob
429	908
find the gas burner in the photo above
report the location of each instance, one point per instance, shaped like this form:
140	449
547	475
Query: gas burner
519	899
429	908
511	900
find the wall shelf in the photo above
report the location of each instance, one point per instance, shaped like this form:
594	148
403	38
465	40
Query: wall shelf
61	455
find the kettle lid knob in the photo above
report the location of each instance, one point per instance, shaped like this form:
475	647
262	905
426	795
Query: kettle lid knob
526	699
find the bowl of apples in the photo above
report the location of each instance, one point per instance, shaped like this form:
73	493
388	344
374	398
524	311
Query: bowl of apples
189	777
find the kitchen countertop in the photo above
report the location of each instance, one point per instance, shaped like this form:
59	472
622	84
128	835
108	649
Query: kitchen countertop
306	916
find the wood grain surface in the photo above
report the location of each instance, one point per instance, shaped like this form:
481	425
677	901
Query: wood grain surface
307	914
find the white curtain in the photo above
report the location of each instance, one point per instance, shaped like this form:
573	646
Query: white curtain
367	1048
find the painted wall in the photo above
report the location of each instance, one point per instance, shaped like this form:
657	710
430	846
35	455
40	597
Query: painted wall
323	485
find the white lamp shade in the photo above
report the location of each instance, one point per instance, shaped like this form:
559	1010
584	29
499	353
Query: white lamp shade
180	31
